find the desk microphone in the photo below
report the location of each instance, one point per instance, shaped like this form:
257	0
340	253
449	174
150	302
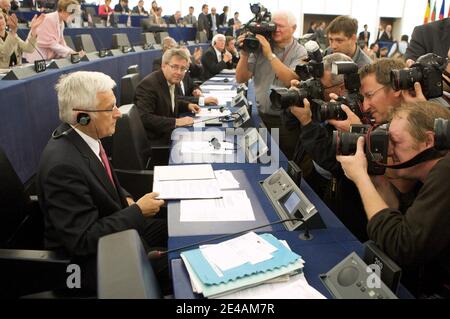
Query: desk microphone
154	254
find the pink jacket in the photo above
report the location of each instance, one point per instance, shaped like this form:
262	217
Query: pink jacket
50	39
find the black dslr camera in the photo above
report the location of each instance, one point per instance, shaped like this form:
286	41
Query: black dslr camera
376	145
442	134
260	24
427	71
353	99
310	86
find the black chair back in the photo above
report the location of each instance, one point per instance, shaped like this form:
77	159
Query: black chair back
128	85
85	42
133	69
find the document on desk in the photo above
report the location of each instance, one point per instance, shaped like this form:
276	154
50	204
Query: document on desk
205	147
234	206
187	189
297	287
226	179
183	172
212	112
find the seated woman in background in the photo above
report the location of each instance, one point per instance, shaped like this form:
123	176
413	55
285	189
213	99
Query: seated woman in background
11	46
51	43
105	10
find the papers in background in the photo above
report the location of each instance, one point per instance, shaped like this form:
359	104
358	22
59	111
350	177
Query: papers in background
183	172
234	206
205	147
296	287
212	112
226	179
228	71
187	189
216	87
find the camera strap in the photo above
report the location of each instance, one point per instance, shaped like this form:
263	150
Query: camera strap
427	155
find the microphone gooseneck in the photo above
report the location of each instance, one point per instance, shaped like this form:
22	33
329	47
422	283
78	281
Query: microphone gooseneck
159	253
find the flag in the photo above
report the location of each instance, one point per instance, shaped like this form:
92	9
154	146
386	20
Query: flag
427	13
441	13
433	14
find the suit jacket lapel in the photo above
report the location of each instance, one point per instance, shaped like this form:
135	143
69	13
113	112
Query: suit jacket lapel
94	163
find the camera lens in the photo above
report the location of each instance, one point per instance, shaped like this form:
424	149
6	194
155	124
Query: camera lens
345	143
405	79
332	111
283	98
442	134
251	44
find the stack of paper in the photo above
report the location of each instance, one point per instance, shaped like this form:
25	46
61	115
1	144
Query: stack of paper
234	206
212	112
239	263
186	182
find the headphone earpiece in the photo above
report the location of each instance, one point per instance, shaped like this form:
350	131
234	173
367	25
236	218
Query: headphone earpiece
83	119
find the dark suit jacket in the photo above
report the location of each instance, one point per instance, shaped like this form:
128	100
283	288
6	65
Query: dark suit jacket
189	87
203	23
157	64
78	200
431	37
222	19
172	20
153	102
210	65
385	37
118	8
361	36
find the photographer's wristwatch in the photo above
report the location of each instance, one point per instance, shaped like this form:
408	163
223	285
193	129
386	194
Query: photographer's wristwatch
272	56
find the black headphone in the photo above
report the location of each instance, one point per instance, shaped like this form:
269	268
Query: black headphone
83	119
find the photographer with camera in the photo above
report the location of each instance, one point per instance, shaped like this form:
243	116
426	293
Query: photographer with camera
272	64
418	240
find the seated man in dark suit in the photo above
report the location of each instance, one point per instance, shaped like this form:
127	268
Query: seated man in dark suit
122	7
79	193
215	59
175	18
156	99
139	9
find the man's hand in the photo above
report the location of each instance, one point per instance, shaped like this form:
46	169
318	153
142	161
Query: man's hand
410	62
13	23
227	57
197	55
355	166
303	114
419	97
130	201
149	205
194	108
211	100
265	45
184	121
344	125
82	53
295	83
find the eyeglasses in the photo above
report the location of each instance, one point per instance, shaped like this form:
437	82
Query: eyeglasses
107	110
370	95
181	69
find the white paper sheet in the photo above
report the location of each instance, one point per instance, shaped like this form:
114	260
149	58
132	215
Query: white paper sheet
226	179
216	87
234	206
212	112
183	172
187	189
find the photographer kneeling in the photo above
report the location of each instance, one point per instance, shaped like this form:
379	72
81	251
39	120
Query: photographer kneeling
418	240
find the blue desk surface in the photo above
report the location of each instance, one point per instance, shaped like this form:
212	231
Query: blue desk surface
30	110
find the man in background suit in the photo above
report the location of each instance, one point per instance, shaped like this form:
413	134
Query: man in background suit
175	18
234	20
364	35
79	193
122	7
223	16
190	18
215	58
431	37
156	99
203	22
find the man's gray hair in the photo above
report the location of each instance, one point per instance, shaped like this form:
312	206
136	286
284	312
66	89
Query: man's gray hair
287	14
217	37
79	90
328	62
174	52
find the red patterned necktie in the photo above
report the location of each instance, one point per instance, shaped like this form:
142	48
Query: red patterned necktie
106	163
